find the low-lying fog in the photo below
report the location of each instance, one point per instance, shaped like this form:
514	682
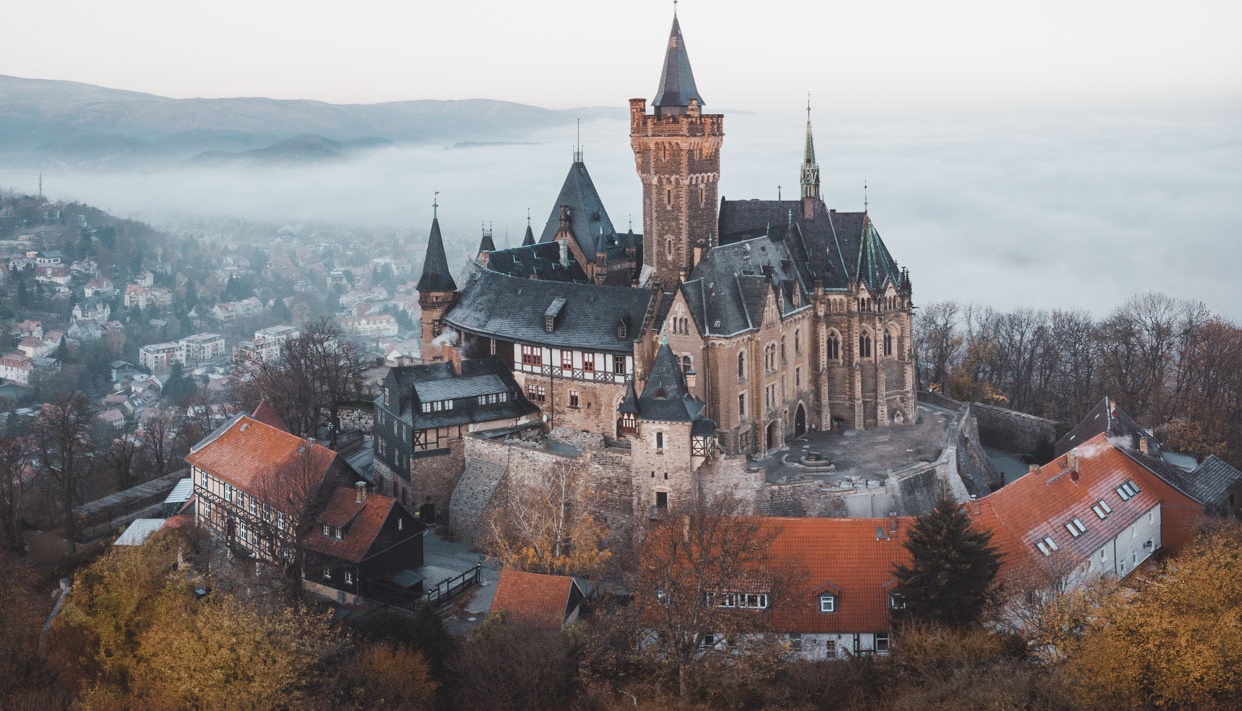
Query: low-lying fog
1077	212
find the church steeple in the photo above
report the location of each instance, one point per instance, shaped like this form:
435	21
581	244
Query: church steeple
677	87
810	170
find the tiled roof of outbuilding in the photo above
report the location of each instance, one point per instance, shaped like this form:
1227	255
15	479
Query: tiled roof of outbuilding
251	455
541	601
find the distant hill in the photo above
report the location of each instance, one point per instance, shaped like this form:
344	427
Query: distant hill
307	148
68	123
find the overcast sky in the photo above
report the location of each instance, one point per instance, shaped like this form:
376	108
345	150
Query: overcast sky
567	53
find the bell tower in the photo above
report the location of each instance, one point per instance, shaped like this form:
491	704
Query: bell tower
677	156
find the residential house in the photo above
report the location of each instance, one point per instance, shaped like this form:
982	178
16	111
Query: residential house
369	326
266	344
16	368
159	356
92	309
365	546
549	602
99	286
201	348
253	482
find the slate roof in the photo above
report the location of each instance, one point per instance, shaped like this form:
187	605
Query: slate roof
588	220
1042	501
529	239
1209	483
665	395
836	247
431	382
250	454
842	556
727	290
630	402
676	80
511	309
363	524
487	244
537	261
436	275
541	601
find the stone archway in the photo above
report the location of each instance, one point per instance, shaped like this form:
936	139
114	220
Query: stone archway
800	421
773	435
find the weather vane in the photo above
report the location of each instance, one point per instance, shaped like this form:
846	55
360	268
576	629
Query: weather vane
435	203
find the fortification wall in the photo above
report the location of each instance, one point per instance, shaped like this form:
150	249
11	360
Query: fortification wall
1013	431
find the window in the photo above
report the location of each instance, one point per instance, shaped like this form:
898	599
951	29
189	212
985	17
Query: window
830	648
532	355
1128	490
567	360
659	441
254	507
827	603
709	640
783	359
1042	548
741	406
1098	508
896	602
327	572
864	345
536	393
881	642
1075	527
686	365
769	357
618	365
588	362
795	641
771	394
888	343
797	341
833	347
573	398
400	524
798	378
327	530
741	366
661	499
349	578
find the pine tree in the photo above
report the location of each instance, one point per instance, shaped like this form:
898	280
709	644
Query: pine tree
950	577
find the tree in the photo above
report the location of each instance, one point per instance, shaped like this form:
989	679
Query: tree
293	493
64	446
544	526
1170	644
689	569
123	456
159	436
949	579
313	376
14	482
505	665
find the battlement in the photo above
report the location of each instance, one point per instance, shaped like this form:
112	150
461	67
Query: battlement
692	123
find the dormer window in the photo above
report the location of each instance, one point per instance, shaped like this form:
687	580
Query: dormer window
623	330
827	603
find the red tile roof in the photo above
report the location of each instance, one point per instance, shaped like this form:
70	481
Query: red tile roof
1041	502
249	454
844	556
362	522
266	414
541	601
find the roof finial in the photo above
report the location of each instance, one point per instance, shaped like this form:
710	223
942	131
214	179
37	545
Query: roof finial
674	8
528	217
778	193
864	195
630	218
435	205
578	145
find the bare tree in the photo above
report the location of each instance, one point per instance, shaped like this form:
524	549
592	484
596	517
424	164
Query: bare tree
293	493
703	578
15	477
159	439
307	384
65	450
937	343
545	526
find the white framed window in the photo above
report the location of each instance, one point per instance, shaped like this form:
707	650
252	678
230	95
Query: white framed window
896	602
881	643
827	603
327	572
349	578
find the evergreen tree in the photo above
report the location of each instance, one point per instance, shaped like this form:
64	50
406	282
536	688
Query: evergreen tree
949	580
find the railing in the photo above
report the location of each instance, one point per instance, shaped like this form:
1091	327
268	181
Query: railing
450	588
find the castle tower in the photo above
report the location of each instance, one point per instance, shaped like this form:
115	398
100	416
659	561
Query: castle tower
436	291
486	246
810	172
677	156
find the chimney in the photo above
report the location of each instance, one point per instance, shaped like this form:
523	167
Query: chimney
1143	446
360	492
1071	460
892	522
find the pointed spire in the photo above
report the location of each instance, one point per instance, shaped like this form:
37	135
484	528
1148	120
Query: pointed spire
810	169
677	80
436	275
666	395
487	244
529	239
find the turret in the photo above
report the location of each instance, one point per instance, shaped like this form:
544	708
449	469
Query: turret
436	292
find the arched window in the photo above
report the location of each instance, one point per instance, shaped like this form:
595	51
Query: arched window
797	341
888	342
834	346
741	366
686	367
864	345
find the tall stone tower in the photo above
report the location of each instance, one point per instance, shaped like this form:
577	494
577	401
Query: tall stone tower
436	292
677	155
810	172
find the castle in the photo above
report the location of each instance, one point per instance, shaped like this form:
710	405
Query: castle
724	330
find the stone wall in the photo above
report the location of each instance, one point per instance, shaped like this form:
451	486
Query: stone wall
972	461
1013	431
